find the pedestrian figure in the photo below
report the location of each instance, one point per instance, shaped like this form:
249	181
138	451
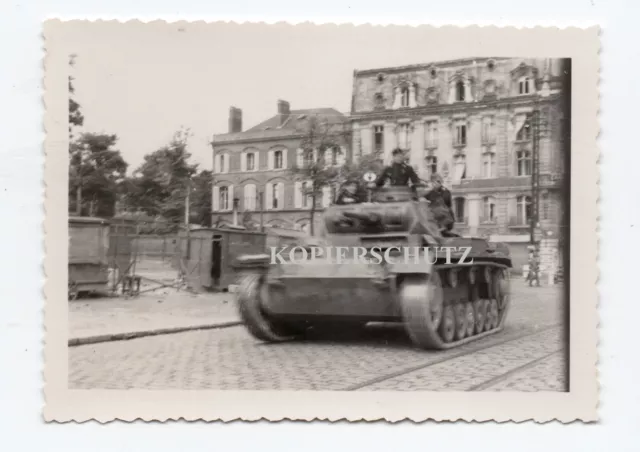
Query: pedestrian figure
534	269
350	193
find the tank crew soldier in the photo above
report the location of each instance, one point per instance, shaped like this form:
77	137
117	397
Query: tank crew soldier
398	173
350	193
439	199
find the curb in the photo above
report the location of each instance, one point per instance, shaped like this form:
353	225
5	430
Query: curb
74	342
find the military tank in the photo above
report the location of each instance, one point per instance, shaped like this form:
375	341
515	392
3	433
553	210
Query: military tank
444	299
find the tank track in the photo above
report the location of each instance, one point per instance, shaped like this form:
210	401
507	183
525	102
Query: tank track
455	305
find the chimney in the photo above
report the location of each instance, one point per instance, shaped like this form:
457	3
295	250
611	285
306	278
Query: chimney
235	120
284	111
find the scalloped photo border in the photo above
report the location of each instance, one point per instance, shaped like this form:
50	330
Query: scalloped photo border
62	404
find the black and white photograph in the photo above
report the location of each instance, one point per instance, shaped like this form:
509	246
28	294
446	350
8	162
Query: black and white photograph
278	209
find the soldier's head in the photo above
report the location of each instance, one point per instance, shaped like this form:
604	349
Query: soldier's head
436	180
398	155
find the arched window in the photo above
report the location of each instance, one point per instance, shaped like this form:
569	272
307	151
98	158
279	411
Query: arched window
404	93
524	163
525	85
459	209
523	209
224	198
460	91
250	201
489	209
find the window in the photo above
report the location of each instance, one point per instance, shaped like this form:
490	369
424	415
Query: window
489	209
524	85
251	161
221	163
277	160
489	165
431	163
306	196
488	130
249	197
431	135
404	136
523	211
378	138
460	169
404	99
335	152
460	138
458	209
223	202
524	163
274	198
524	134
460	91
545	206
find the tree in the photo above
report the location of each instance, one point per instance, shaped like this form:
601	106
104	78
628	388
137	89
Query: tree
96	171
159	186
201	209
321	149
75	114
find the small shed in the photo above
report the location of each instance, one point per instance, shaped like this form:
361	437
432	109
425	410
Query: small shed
88	254
207	255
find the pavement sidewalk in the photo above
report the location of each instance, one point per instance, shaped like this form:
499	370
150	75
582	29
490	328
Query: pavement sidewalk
94	320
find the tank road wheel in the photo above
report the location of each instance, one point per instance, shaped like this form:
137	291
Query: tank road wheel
448	324
452	277
471	319
461	320
493	309
421	302
251	293
479	311
502	289
488	319
487	274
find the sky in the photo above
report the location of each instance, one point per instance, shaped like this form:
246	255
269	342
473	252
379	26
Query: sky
143	83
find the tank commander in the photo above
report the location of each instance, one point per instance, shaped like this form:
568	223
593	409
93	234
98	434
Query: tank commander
398	173
350	193
439	199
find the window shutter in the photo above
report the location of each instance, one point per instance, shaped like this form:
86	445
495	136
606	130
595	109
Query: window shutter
315	155
285	152
297	195
215	202
216	164
327	157
269	196
230	206
243	161
342	156
299	158
270	164
326	196
365	140
280	195
227	158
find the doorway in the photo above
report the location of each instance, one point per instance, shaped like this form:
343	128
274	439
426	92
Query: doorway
216	260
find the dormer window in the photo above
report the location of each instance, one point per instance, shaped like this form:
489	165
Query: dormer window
404	100
525	85
460	91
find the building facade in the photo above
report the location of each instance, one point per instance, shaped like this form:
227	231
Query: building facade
472	121
253	179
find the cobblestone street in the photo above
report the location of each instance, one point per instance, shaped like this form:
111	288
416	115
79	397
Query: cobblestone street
528	355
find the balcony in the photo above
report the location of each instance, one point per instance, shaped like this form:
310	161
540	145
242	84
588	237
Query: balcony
518	223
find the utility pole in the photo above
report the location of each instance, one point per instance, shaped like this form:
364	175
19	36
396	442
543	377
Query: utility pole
535	175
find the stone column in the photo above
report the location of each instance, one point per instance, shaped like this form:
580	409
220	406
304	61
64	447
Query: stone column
412	96
417	146
389	141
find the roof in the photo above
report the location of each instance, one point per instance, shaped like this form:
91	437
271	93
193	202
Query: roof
294	125
413	67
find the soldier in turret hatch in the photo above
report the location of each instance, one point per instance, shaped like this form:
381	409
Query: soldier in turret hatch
398	173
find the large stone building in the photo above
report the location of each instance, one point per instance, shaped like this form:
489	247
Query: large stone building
253	178
470	120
